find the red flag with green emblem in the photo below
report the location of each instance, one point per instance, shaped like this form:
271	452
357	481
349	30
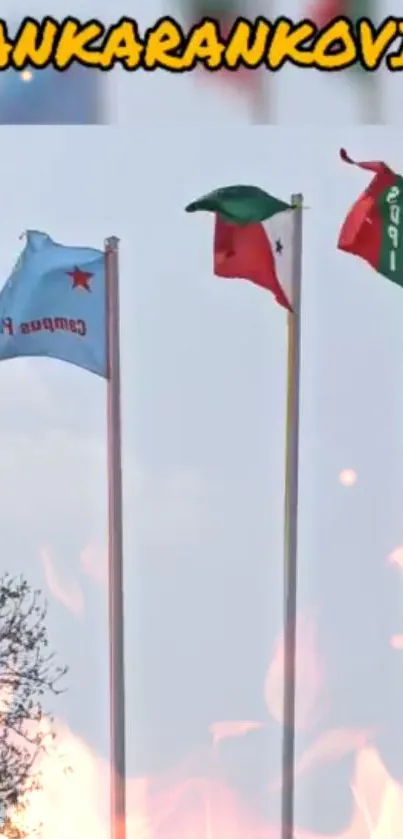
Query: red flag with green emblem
373	227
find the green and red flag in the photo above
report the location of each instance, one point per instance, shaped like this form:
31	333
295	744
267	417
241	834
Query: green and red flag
323	12
253	238
225	12
373	227
367	85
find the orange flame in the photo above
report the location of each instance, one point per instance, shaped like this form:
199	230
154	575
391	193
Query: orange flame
73	805
232	728
330	746
67	593
93	562
378	811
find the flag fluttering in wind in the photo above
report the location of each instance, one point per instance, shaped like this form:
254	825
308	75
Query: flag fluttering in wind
225	12
253	237
62	302
366	85
250	84
259	238
373	227
54	305
324	11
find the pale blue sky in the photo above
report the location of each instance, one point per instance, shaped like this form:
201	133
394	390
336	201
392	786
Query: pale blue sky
203	364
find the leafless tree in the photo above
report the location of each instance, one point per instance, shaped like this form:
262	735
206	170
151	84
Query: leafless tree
28	674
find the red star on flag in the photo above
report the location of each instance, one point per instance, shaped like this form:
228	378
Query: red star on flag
80	278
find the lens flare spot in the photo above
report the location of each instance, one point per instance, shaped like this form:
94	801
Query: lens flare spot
348	477
26	76
396	642
396	557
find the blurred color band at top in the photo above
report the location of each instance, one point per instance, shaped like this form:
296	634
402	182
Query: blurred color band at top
49	97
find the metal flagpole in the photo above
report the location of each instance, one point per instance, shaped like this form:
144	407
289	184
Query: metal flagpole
291	531
262	106
115	550
370	99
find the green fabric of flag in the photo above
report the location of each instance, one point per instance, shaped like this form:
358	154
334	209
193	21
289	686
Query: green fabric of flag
253	237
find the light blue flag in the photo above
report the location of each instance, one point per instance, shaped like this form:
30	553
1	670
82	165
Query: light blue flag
54	305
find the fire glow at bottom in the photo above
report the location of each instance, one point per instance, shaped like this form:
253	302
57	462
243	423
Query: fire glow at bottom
71	805
74	804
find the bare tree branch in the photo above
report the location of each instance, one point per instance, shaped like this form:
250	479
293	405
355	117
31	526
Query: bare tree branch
28	673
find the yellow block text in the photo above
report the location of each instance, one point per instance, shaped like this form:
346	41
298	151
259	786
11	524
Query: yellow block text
167	46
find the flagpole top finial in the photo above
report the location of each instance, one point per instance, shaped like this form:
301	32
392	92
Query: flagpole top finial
112	243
